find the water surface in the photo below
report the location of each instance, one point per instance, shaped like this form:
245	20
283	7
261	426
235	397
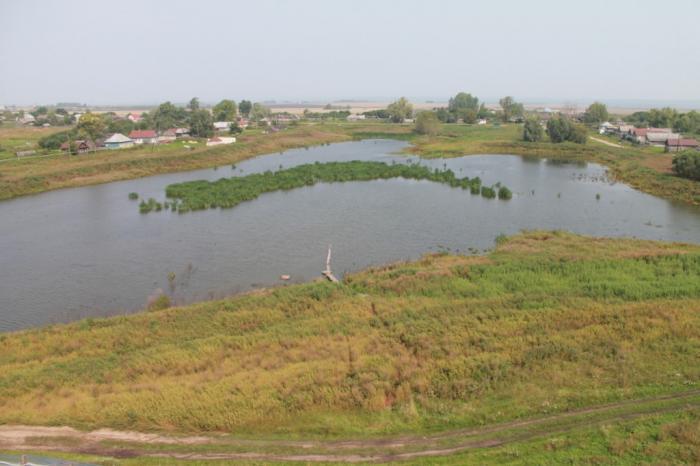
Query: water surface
87	251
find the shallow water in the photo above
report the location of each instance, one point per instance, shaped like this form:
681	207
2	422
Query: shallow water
87	251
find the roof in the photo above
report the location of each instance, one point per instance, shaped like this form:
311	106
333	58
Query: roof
141	134
640	131
170	132
117	138
660	137
687	142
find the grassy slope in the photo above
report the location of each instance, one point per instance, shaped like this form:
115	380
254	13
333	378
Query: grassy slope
548	322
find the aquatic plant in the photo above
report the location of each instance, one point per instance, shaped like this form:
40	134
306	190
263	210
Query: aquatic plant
133	196
229	192
150	205
504	193
488	192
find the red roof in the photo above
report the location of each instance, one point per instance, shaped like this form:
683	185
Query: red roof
682	142
142	134
640	131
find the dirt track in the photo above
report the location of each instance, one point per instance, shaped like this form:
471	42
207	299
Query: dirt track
15	437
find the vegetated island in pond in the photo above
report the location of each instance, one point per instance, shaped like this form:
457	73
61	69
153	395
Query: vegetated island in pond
229	192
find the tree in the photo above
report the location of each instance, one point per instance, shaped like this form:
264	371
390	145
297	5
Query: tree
596	113
532	130
511	108
193	105
400	110
166	116
225	110
463	101
427	123
91	126
468	115
245	107
259	111
201	124
558	128
234	128
445	116
687	164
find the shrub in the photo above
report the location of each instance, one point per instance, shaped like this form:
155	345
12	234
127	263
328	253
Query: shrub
488	192
687	164
133	196
504	193
532	130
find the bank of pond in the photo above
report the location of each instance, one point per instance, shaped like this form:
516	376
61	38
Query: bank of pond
229	192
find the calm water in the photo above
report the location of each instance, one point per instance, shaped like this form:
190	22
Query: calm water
88	252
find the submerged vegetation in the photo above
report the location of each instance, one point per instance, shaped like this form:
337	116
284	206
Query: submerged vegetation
547	322
229	192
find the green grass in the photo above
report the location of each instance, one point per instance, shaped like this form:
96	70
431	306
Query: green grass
229	192
546	323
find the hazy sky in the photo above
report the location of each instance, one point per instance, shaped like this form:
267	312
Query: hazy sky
129	52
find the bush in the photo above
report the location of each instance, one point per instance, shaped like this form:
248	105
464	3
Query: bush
133	196
427	123
504	193
532	130
54	141
560	129
687	164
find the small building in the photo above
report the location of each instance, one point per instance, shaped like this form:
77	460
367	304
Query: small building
81	146
219	140
222	125
168	135
144	136
27	119
118	141
182	132
659	139
356	117
679	144
134	117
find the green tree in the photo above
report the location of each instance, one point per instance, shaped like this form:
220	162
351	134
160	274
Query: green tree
663	118
167	115
245	107
259	111
234	128
511	108
596	113
558	128
193	105
578	133
532	130
427	123
91	126
400	110
468	115
201	124
463	101
225	110
687	164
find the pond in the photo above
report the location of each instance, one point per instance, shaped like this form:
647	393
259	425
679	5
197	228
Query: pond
83	252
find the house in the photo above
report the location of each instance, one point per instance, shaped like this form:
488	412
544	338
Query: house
679	144
144	136
135	117
659	139
168	135
27	119
639	135
182	132
242	123
118	141
222	125
81	146
356	117
219	140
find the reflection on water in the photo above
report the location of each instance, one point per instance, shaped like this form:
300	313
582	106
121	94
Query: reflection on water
88	252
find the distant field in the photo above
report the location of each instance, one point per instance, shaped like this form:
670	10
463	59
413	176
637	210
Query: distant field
13	139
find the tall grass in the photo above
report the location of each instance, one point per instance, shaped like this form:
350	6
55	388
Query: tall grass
547	322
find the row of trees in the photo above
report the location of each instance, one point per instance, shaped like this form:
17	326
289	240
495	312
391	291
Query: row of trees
667	118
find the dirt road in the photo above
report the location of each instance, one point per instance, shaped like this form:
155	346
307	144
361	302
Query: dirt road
603	141
113	443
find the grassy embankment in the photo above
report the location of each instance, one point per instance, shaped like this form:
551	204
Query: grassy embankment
647	169
229	192
546	323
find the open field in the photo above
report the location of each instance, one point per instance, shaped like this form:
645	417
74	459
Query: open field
548	323
647	169
13	139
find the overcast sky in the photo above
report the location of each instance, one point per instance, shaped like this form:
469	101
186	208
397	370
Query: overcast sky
130	52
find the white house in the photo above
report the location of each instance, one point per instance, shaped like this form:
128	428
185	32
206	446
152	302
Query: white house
118	141
356	117
222	125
